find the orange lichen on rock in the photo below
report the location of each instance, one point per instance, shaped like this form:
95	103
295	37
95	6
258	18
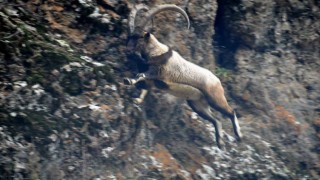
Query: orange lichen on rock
169	165
57	8
316	122
300	128
63	24
164	157
284	114
95	44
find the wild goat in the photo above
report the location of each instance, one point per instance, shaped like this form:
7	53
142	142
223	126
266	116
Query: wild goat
169	72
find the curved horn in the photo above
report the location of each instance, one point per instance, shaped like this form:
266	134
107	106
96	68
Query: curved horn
133	14
154	11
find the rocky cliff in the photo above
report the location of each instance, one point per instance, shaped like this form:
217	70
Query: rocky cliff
65	114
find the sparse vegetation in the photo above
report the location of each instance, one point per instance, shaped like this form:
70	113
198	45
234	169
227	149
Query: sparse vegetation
222	73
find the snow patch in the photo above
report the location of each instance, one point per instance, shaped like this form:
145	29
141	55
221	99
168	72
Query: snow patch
194	115
90	60
13	114
85	3
185	173
112	87
204	175
209	170
155	162
106	151
19	84
38	90
103	134
94	107
214	151
103	18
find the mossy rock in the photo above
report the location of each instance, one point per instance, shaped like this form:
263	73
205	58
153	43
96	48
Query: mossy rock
72	84
105	73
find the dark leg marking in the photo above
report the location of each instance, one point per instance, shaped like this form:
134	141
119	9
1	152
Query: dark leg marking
203	110
160	85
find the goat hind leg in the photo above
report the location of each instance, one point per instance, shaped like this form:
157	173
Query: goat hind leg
202	108
218	101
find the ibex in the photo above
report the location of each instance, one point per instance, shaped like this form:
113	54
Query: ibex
170	72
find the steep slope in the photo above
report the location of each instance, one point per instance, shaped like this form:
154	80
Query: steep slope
64	113
274	48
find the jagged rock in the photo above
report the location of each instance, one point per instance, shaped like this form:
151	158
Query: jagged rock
65	114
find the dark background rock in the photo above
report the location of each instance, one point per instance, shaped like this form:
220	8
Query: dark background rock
64	113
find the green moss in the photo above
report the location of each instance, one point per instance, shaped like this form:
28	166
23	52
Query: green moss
53	51
44	57
222	73
39	123
35	78
54	59
72	84
105	72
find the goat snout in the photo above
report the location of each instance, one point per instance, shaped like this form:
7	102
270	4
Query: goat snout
129	51
131	45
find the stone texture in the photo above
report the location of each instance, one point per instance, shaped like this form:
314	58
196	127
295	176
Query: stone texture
65	115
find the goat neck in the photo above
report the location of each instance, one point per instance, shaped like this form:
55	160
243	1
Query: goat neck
156	52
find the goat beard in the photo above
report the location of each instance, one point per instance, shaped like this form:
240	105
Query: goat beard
140	62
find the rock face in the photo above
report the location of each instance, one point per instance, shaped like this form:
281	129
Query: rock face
275	52
64	113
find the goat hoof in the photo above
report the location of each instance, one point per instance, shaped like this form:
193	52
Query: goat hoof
141	75
239	137
137	100
126	81
221	145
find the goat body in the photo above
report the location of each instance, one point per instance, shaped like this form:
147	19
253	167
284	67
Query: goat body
173	74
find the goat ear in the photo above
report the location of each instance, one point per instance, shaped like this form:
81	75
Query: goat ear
147	36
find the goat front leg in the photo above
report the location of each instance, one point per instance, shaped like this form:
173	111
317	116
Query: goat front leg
140	99
139	78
